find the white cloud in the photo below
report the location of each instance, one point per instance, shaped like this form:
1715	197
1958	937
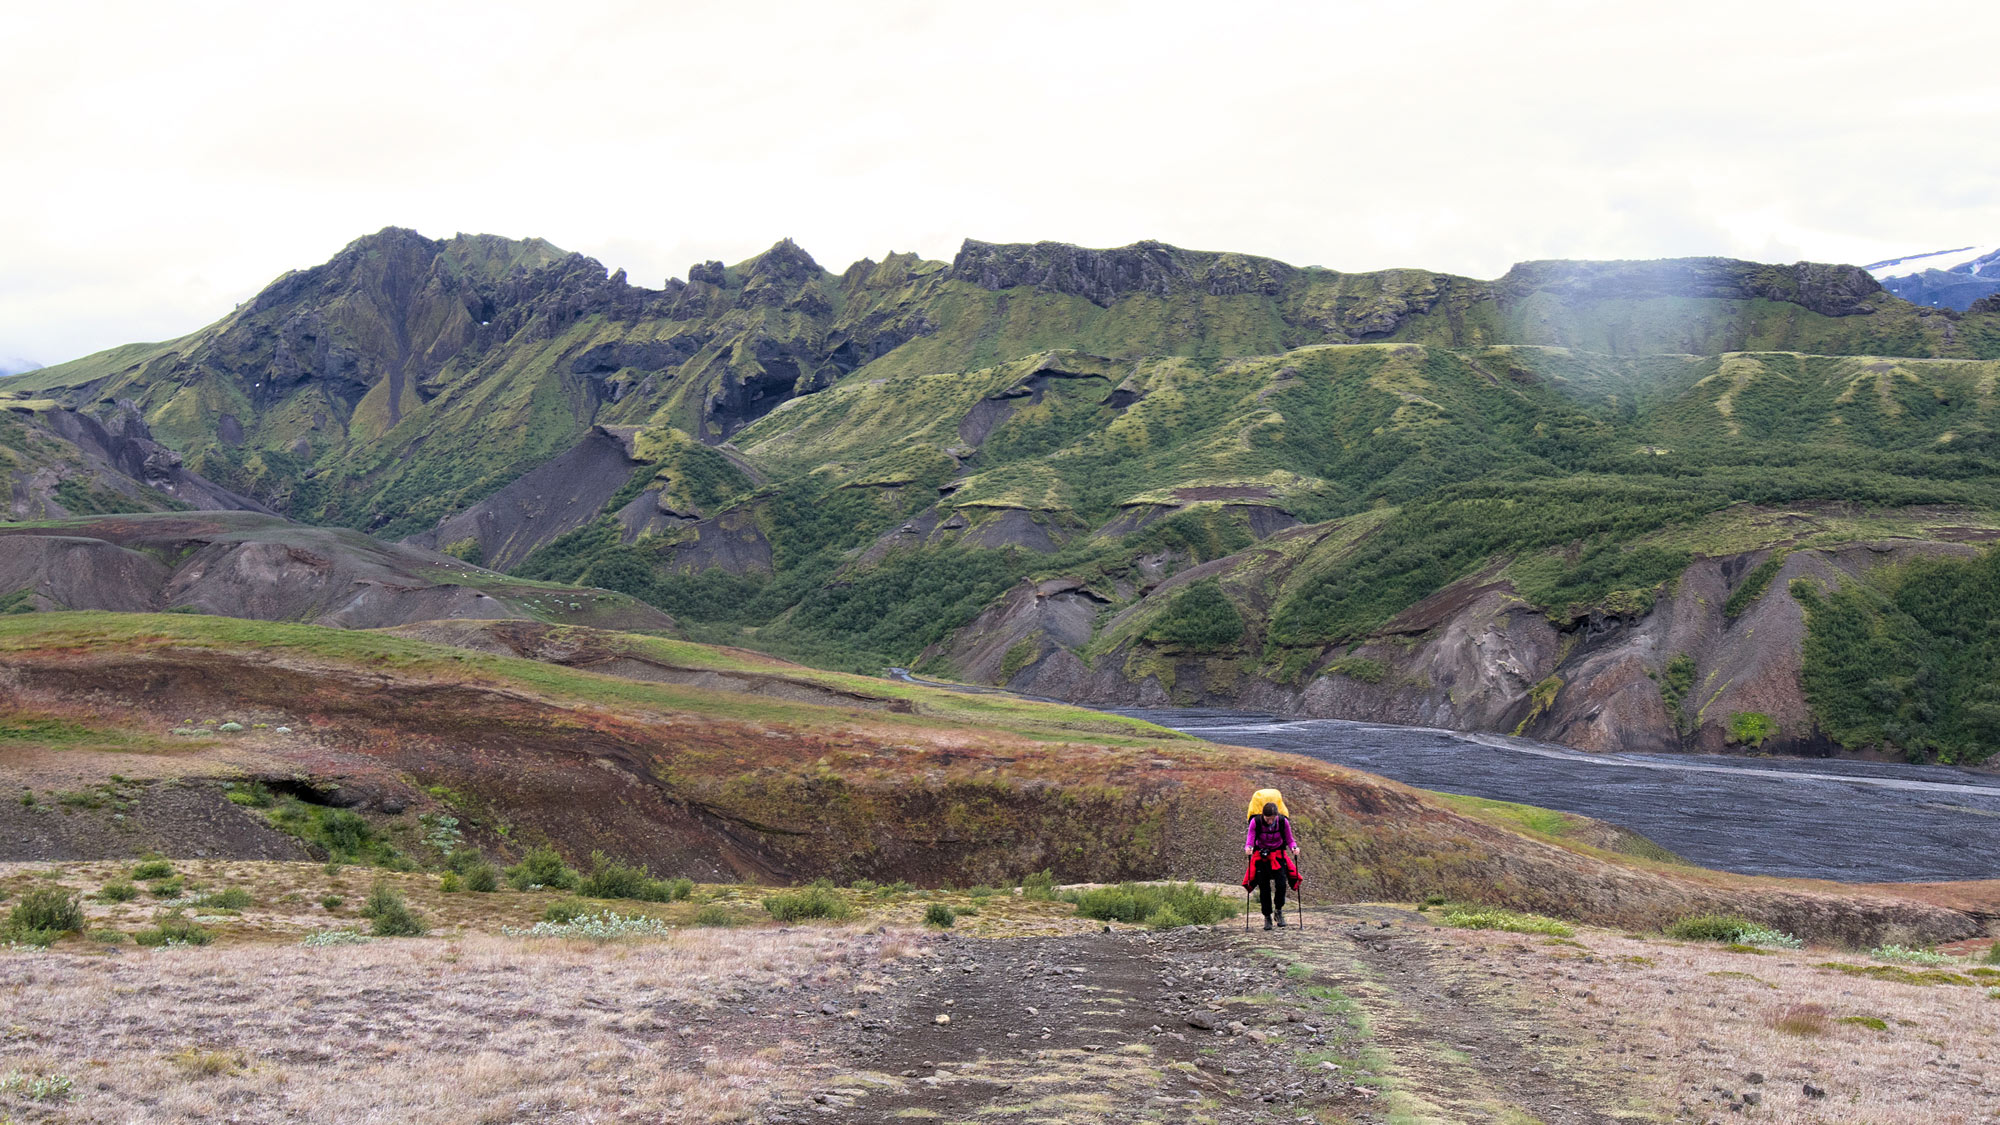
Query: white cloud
168	160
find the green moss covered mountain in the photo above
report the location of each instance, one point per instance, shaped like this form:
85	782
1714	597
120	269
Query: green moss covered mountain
1145	475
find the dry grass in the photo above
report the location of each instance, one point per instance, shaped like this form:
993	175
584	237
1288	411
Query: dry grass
1690	1023
478	1029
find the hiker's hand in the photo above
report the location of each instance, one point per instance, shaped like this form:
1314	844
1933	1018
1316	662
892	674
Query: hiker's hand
1247	849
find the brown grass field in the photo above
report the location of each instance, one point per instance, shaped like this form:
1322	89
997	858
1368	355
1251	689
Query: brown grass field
755	1022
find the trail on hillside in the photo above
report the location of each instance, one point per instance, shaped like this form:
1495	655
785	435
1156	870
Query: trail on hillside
1360	1016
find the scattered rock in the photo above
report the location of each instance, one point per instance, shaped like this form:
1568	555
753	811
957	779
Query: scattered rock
941	1019
1200	1021
1813	1091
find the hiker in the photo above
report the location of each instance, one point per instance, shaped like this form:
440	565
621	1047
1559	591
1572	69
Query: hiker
1269	843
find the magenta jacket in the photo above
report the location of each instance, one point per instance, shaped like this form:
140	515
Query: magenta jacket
1277	836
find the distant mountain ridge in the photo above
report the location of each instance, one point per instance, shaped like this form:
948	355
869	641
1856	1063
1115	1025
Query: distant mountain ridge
1141	473
1953	279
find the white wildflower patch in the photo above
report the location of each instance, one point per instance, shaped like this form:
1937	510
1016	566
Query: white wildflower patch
1769	938
596	927
320	939
1910	956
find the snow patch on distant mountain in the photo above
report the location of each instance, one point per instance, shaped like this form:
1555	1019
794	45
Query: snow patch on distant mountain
1942	278
1978	260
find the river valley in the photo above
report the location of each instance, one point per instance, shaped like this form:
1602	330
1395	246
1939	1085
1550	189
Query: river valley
1850	821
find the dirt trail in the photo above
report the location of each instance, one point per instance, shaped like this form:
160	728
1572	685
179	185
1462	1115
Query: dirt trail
1360	1016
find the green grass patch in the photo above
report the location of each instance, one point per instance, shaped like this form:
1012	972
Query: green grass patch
816	902
1159	907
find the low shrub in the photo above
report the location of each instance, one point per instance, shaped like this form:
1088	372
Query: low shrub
565	910
892	890
332	902
715	914
342	836
38	1087
1993	954
153	869
174	928
482	877
939	915
1710	927
168	888
1160	906
1509	921
254	795
611	879
980	892
389	915
812	902
117	891
234	898
108	937
46	908
542	867
1039	886
449	883
206	1064
1801	1019
865	886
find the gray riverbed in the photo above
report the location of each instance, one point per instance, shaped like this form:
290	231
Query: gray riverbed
1814	818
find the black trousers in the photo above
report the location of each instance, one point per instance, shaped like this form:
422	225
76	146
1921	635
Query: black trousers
1270	882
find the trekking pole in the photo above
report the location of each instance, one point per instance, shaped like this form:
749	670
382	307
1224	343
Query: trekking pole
1246	910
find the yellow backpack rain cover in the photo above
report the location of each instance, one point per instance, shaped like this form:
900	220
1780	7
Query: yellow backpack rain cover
1267	796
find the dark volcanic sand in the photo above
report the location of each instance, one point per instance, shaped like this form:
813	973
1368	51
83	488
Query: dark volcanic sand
1823	819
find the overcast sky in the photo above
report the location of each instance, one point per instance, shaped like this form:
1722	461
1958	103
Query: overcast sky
167	160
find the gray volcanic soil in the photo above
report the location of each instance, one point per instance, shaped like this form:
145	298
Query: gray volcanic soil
1823	819
242	564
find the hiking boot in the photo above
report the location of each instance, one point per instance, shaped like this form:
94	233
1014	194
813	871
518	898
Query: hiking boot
1281	919
1267	921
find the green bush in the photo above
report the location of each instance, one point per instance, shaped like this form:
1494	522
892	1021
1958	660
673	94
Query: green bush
1172	904
541	867
939	915
389	913
153	869
332	902
46	908
254	795
117	891
566	910
1039	886
449	883
1200	618
1751	728
812	902
174	928
234	898
168	888
610	879
1710	927
342	836
482	878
